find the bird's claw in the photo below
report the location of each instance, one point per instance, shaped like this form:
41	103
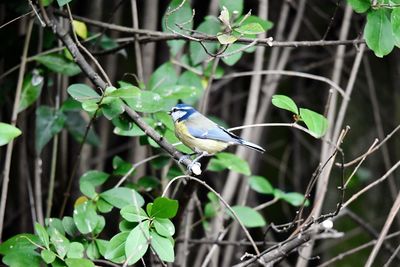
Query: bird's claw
194	167
183	158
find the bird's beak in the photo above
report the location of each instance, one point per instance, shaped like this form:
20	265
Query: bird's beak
169	112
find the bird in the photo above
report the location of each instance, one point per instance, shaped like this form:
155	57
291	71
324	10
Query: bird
202	135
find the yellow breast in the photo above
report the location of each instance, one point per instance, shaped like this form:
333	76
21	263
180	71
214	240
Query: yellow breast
196	144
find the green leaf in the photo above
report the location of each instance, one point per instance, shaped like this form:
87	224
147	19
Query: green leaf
8	133
226	38
90	105
250	28
147	101
63	2
79	262
293	198
81	92
177	92
232	5
133	214
80	29
164	208
360	6
378	32
59	241
163	247
128	91
120	166
285	102
232	59
261	185
112	108
76	126
59	64
116	248
121	196
90	180
315	122
42	233
183	15
18	245
56	224
164	227
48	256
197	53
124	225
395	20
164	75
231	162
248	216
103	206
31	90
69	226
102	246
49	122
137	243
85	217
92	251
75	250
265	24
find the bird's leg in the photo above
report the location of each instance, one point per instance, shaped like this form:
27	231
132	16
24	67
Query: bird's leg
202	154
186	156
195	166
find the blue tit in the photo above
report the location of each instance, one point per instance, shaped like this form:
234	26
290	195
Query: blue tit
202	135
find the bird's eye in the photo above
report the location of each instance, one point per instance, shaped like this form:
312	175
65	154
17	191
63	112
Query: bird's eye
174	109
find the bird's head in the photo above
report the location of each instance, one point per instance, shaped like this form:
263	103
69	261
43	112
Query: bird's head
181	112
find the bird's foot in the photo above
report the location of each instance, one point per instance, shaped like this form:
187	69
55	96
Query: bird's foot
194	167
185	157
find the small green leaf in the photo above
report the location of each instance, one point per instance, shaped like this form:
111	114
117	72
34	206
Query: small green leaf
90	105
128	91
121	196
378	32
224	17
8	133
59	241
265	24
101	223
80	28
234	6
315	122
48	256
81	92
69	226
250	28
164	208
102	246
49	122
163	247
59	64
103	206
137	243
147	101
164	75
116	248
261	185
124	225
164	227
42	233
85	217
92	251
232	59
231	162
226	38
79	262
360	6
113	108
75	250
248	216
31	90
133	214
90	180
63	2
285	102
293	198
395	20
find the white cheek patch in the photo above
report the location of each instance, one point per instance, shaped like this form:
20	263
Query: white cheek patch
178	114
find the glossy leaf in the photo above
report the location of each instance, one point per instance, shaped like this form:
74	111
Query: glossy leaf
261	185
59	64
285	102
395	20
265	24
113	108
133	214
8	133
147	101
378	32
48	256
360	6
137	243
164	227
42	233
293	198
164	208
315	122
49	122
75	250
224	38
116	248
59	241
81	92
80	29
69	225
92	251
79	262
90	180
163	247
31	90
18	245
210	26
121	196
232	59
128	91
234	6
231	162
164	75
85	217
250	28
248	216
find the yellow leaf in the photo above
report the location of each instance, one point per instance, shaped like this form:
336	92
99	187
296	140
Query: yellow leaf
80	200
80	29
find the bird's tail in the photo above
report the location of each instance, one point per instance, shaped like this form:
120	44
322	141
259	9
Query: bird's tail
252	146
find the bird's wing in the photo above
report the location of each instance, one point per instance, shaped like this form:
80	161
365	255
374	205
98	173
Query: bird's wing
203	128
